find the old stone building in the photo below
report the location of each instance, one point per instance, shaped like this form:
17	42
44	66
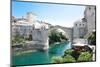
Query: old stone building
79	29
85	25
25	27
90	16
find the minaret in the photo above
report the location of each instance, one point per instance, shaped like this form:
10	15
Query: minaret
31	18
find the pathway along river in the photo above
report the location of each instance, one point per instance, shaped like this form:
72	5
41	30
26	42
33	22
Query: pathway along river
39	57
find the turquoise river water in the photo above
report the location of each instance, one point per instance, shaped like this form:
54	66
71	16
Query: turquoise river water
40	57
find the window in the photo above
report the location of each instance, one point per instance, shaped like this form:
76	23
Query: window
89	8
83	24
33	27
93	13
80	24
76	24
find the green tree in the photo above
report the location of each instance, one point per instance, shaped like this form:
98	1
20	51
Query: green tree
17	39
68	58
55	36
72	52
57	59
68	51
85	56
92	38
63	37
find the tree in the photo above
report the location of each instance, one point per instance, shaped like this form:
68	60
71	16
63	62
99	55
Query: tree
68	51
72	52
68	58
63	37
17	39
57	59
92	38
55	36
85	56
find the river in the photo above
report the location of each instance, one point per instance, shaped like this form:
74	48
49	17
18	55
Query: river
40	57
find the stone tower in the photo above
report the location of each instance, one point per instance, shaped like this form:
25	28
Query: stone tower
40	36
31	18
89	15
79	29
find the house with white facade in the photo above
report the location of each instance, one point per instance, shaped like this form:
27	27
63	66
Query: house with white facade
25	27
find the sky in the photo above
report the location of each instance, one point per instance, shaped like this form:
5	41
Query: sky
55	14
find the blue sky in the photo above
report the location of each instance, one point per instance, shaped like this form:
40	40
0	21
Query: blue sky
55	14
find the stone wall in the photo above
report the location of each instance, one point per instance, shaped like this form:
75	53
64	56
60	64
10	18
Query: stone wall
89	15
40	38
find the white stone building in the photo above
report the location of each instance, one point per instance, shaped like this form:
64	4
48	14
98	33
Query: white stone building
24	26
21	28
31	26
79	29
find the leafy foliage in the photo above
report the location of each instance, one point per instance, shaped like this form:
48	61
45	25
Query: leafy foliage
17	39
72	52
68	58
92	38
71	55
55	36
57	59
69	51
85	56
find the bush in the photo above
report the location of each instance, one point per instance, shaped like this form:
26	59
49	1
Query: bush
85	56
72	52
75	54
57	59
68	51
68	58
17	39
